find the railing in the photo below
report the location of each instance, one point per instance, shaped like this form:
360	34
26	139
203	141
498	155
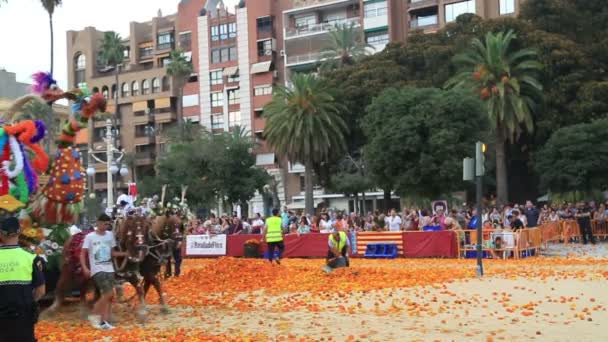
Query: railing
421	3
321	27
424	21
145	52
311	57
164	46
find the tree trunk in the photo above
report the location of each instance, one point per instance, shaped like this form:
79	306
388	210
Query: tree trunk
363	206
502	191
387	199
356	206
308	186
244	210
52	41
180	108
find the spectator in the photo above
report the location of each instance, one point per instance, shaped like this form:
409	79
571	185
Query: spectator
425	219
257	224
531	213
284	218
553	216
439	218
600	214
583	217
314	226
303	227
340	223
393	221
325	224
495	217
516	223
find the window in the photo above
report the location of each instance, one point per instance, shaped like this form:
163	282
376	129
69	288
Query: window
125	89
302	23
377	38
145	87
165	61
233	78
452	11
215	77
104	91
217	121
507	7
262	90
146	51
185	41
164	41
135	88
217	99
126	52
335	18
265	48
165	83
80	64
423	20
232	30
234	119
233	96
375	9
222	55
264	24
215	33
155	85
113	91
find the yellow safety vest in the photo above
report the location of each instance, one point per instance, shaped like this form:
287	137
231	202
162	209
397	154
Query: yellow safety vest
16	266
274	230
342	241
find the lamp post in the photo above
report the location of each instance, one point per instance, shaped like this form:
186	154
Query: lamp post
113	158
474	170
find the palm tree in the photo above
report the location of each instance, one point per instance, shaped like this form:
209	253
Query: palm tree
345	46
302	124
49	6
112	53
506	81
180	69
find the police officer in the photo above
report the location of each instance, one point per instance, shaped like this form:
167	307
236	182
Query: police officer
21	285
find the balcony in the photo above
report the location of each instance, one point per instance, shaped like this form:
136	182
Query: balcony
417	4
259	122
144	140
307	30
165	116
141	119
424	22
164	46
144	158
303	59
102	123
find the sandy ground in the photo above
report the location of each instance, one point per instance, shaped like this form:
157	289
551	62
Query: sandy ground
549	300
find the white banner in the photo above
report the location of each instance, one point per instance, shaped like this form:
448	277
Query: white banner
206	244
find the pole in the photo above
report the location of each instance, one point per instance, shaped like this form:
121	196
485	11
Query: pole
479	225
109	154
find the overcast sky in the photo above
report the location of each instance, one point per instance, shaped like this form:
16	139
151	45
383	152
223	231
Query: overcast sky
25	37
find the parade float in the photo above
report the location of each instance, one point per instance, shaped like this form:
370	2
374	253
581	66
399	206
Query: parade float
46	212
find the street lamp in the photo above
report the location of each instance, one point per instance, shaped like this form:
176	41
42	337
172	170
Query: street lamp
112	156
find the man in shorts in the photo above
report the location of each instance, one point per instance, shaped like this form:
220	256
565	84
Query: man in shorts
96	260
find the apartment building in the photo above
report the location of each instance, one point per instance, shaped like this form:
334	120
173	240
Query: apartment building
145	99
246	50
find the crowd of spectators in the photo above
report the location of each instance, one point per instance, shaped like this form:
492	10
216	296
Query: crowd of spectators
512	216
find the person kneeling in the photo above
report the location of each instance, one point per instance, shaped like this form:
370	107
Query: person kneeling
337	256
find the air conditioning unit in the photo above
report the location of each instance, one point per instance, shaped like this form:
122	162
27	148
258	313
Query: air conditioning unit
282	53
275	73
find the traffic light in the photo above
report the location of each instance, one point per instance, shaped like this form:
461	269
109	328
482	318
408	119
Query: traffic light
480	149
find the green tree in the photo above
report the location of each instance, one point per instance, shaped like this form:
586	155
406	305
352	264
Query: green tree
302	124
506	79
345	46
179	69
417	138
112	52
574	159
351	180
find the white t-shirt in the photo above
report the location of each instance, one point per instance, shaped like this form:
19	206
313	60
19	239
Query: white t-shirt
394	223
100	251
325	226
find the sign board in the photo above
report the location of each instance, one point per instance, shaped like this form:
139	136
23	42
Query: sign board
206	245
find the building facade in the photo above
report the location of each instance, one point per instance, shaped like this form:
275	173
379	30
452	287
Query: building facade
145	99
9	87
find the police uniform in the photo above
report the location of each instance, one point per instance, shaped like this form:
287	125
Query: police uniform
20	273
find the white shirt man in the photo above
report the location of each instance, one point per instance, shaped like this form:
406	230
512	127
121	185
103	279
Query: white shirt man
393	222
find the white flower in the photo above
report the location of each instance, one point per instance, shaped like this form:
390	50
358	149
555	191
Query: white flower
54	245
48	252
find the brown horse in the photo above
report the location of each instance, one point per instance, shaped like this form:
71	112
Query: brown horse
138	237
